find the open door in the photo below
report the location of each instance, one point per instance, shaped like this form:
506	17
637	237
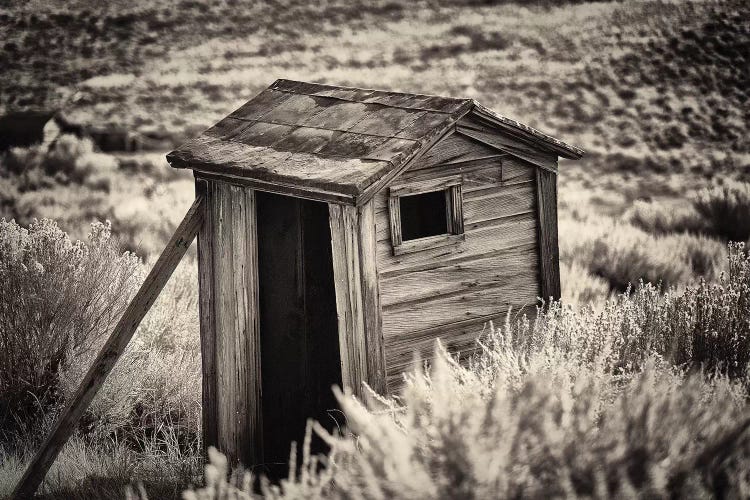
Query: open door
300	358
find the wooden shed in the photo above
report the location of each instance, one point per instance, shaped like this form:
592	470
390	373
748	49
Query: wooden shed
348	228
341	230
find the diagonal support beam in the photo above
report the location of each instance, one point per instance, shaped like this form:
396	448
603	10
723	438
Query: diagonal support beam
112	350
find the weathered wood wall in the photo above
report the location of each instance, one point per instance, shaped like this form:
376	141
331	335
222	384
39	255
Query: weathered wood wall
354	251
450	292
230	334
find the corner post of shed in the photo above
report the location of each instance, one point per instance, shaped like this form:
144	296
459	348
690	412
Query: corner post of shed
229	322
353	247
549	252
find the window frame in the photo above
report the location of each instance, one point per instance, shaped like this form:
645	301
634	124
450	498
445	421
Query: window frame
454	213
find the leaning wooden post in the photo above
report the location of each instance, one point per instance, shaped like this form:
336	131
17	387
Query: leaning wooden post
111	351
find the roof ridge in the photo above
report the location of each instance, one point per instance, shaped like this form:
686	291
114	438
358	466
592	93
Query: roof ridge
345	87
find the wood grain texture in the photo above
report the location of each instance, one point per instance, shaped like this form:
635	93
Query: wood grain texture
450	277
504	202
549	252
357	298
235	282
371	298
459	338
450	292
207	317
520	290
484	132
456	148
111	350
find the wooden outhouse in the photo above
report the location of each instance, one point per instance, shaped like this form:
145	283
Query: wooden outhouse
341	230
346	229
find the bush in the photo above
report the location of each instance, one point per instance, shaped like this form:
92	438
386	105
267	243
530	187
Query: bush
658	219
624	255
579	286
59	298
578	403
68	159
549	432
726	208
153	395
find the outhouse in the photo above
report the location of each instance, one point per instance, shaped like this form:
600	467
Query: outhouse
345	229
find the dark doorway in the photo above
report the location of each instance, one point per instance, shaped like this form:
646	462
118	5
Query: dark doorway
300	358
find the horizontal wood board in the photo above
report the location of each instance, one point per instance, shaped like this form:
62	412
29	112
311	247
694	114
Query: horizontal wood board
451	292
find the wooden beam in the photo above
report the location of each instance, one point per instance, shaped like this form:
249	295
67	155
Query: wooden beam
111	351
207	316
353	246
236	410
549	253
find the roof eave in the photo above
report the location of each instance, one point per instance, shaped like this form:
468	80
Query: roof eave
547	141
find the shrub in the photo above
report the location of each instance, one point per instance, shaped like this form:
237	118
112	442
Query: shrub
59	297
548	433
726	208
624	255
153	394
579	286
578	403
658	219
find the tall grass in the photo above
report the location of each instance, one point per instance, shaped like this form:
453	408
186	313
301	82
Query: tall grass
65	297
59	297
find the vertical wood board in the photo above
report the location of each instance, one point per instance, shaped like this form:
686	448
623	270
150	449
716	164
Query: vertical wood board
549	252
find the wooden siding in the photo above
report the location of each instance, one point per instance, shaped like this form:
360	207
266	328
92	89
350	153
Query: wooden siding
549	252
230	329
451	292
353	248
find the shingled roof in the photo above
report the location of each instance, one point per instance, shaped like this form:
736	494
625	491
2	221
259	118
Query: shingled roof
338	141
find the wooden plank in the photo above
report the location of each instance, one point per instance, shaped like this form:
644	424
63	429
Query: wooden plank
505	202
238	389
371	298
491	136
545	141
353	249
344	221
549	253
428	243
505	233
207	317
456	148
450	277
278	188
518	291
111	350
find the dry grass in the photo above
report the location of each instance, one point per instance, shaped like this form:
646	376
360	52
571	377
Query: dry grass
59	298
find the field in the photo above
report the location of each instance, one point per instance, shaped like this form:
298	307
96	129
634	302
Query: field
657	93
